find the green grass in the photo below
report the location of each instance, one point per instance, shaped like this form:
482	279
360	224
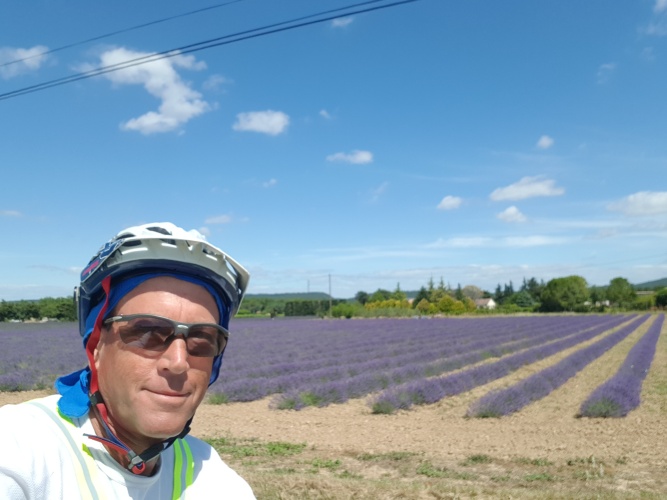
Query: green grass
279	470
251	448
217	398
477	459
393	455
539	462
542	476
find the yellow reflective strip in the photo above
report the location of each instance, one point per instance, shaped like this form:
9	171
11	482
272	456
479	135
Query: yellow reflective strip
178	465
83	472
189	464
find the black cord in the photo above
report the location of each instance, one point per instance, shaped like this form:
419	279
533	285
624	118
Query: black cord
214	42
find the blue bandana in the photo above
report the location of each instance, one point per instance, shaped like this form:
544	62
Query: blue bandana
73	388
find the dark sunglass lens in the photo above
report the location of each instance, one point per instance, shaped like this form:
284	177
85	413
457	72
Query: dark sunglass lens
203	341
148	333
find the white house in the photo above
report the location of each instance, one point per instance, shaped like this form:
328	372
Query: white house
485	303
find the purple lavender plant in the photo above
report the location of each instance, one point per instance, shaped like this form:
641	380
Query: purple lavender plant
512	399
619	395
33	355
405	395
385	353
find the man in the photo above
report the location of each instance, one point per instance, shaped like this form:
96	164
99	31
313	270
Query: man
154	306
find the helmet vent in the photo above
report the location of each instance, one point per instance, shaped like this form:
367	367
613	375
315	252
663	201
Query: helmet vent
160	230
132	243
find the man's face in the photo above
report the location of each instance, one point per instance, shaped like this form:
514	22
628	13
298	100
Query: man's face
151	395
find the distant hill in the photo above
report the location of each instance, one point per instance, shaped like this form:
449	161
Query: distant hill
652	284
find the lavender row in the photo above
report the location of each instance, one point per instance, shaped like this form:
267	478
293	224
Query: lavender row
286	347
312	393
355	379
32	355
357	341
619	395
512	399
429	391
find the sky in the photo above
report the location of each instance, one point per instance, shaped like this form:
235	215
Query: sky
471	141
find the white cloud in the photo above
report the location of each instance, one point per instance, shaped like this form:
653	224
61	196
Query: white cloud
461	242
325	114
379	191
265	122
219	219
605	72
357	157
507	242
531	241
511	214
527	187
658	25
658	28
10	213
270	183
214	82
544	142
27	60
450	203
342	22
179	103
648	54
642	203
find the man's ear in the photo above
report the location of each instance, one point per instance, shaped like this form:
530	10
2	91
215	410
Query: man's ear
98	348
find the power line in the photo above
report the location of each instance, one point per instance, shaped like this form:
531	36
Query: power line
299	22
118	32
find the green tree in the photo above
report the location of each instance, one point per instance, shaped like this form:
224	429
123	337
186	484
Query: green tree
361	297
533	288
522	299
398	293
449	305
469	304
436	295
498	294
473	292
422	294
597	295
661	298
379	295
423	306
620	292
565	294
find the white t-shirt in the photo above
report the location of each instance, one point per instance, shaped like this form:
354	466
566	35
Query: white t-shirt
43	456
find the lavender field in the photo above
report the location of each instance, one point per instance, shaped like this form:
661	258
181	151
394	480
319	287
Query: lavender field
32	355
621	393
392	363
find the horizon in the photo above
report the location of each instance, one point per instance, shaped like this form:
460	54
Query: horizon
646	284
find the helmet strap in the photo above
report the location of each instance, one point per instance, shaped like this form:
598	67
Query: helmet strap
136	462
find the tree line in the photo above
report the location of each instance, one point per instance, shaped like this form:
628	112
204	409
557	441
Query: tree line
570	293
566	294
61	309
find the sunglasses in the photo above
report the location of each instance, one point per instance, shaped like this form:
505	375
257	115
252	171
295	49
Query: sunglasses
155	333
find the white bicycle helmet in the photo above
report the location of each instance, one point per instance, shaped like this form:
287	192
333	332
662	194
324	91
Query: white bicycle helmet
160	247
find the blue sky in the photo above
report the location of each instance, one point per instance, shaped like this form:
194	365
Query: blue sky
474	141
